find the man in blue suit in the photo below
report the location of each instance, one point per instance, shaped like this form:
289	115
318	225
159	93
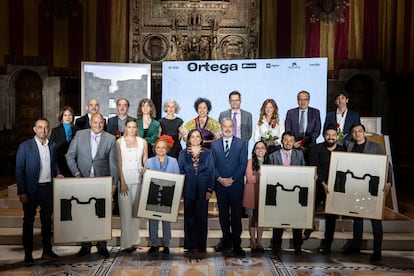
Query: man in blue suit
230	159
304	121
342	118
35	168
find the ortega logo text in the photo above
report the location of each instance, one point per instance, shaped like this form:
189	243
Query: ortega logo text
222	68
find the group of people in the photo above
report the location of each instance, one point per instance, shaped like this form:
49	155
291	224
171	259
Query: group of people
215	159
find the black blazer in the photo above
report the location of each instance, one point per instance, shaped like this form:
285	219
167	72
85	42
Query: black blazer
59	137
113	124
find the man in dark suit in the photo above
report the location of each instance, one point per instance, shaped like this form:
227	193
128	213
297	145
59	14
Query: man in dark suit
84	122
91	153
361	144
242	119
35	167
304	121
116	124
230	160
287	156
342	118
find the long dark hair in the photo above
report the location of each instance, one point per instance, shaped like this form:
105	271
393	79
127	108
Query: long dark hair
255	160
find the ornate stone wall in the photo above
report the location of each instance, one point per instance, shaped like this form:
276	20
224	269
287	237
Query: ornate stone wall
162	30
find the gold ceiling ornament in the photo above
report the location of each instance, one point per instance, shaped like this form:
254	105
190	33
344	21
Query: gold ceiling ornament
327	11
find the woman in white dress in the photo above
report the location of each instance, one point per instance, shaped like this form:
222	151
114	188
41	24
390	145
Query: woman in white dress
270	126
132	154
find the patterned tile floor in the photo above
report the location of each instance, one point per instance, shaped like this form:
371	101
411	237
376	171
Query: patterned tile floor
310	263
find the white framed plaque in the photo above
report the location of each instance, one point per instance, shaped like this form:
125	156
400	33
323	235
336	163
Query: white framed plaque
82	209
355	184
287	196
160	195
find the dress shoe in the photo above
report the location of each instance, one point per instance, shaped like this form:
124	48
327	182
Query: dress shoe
28	260
376	257
351	250
325	250
166	250
103	251
83	252
153	250
306	234
221	246
239	252
49	254
298	249
260	248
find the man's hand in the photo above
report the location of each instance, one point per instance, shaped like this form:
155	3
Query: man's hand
387	188
226	182
23	198
325	187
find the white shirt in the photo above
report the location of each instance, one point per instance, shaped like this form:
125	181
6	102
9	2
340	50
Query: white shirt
229	141
45	174
340	119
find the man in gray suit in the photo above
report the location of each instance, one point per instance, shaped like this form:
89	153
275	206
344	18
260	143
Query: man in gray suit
361	144
287	156
91	153
242	120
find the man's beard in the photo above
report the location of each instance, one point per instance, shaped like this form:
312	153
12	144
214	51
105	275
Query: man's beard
330	144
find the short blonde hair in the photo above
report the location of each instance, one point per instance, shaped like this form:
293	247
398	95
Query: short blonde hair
174	102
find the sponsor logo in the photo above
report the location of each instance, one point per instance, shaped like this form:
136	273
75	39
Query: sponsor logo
248	65
269	65
294	66
207	67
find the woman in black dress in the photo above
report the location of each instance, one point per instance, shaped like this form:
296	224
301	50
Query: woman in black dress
171	125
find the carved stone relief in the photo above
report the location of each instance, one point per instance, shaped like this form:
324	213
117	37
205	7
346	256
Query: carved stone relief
162	30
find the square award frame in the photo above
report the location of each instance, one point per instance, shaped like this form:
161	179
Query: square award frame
286	197
160	195
355	185
82	209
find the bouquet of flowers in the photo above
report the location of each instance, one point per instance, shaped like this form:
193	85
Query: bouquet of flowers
269	138
341	134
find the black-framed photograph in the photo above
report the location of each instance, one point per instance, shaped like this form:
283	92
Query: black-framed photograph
160	195
287	196
82	209
355	184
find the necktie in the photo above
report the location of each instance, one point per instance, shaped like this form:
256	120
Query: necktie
287	159
235	125
302	122
94	145
94	148
226	149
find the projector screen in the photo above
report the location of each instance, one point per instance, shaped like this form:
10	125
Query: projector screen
256	80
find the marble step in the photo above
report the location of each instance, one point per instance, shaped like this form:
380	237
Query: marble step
392	241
